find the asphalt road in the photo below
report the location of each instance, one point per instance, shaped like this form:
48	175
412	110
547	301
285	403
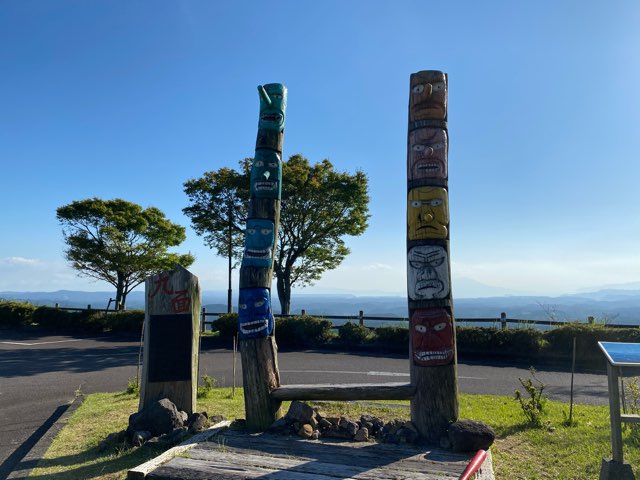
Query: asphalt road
41	374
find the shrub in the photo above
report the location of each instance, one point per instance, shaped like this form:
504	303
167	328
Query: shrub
302	331
13	313
392	337
524	341
354	334
474	338
227	325
125	321
54	318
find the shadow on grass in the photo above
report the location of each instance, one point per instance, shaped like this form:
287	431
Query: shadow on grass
107	461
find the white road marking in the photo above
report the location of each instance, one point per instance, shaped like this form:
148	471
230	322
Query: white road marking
42	343
374	374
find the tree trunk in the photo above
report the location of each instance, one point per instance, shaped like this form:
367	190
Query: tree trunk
284	293
121	293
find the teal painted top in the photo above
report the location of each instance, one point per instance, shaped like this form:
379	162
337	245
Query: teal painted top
273	104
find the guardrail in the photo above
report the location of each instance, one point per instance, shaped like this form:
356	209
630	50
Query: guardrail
502	320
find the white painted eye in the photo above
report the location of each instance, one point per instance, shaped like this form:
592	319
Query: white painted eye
273	165
436	202
251	231
243	306
421	329
416	203
265	231
439	326
259	163
259	303
418	89
418	147
438	87
437	146
275	95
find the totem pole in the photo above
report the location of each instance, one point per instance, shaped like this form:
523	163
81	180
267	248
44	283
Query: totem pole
432	330
255	318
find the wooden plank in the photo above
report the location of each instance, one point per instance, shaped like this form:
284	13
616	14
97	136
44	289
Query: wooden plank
228	460
141	471
360	391
630	418
350	453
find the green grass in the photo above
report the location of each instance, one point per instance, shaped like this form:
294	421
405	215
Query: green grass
555	452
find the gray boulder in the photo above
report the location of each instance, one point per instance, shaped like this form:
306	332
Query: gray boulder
470	436
158	418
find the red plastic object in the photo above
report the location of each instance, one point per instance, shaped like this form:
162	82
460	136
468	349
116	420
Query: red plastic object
474	465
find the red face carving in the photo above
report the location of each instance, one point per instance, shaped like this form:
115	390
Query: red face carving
432	337
427	154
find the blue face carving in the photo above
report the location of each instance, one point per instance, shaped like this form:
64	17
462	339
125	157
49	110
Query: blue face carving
266	175
258	243
273	104
254	313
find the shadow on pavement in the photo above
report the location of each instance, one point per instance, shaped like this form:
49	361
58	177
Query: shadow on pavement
19	453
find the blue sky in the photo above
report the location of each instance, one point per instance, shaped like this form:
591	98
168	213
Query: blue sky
129	99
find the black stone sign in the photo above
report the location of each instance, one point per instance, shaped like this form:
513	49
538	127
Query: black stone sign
170	339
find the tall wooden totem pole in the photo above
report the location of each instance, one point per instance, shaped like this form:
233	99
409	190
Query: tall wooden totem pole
432	329
255	317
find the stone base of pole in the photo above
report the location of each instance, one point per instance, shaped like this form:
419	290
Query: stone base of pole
612	470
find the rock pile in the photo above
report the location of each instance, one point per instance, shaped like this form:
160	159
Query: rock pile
160	422
307	422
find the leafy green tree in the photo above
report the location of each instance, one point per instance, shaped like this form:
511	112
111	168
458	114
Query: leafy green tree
120	242
319	207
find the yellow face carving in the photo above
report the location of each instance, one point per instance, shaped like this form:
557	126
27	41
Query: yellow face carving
428	97
428	213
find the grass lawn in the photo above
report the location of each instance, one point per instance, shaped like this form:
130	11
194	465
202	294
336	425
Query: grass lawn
555	452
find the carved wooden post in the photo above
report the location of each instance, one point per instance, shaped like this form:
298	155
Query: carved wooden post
432	329
258	348
171	333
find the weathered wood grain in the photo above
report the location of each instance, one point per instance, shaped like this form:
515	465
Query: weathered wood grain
260	376
176	292
141	471
384	391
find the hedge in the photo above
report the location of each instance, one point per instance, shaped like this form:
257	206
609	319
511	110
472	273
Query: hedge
23	314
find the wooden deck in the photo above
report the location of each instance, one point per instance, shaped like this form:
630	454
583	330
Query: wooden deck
234	455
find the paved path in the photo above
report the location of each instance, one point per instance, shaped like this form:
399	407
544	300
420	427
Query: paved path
41	374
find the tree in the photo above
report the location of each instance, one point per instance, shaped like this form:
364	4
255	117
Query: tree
319	207
120	242
218	211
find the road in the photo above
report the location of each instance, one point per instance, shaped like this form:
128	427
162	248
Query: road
41	374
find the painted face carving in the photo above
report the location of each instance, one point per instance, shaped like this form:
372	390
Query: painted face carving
254	313
432	337
428	272
427	213
428	97
273	104
266	175
427	154
258	243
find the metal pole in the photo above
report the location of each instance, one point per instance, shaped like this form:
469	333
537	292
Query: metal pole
573	369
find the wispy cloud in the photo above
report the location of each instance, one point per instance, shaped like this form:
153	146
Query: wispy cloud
20	261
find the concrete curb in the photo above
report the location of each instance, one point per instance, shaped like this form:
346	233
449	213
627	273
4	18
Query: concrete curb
31	459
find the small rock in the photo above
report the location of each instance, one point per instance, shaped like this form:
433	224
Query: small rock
184	415
352	428
551	429
470	436
112	440
198	423
313	422
215	419
315	435
324	424
306	431
362	435
336	432
279	426
139	438
300	412
158	418
175	436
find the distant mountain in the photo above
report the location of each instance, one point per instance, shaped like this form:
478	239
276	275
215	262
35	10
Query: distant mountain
607	305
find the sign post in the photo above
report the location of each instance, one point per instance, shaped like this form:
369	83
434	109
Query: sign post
171	334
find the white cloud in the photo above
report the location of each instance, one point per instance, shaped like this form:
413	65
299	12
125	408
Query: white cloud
19	261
